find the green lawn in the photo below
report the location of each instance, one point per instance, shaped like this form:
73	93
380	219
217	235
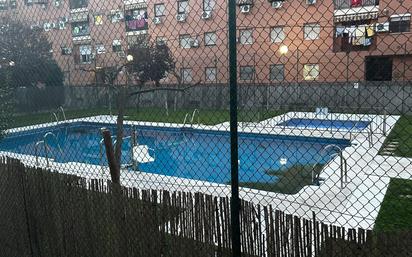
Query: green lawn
403	134
396	210
208	117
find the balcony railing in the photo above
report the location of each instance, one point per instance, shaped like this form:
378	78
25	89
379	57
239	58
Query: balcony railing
346	4
76	4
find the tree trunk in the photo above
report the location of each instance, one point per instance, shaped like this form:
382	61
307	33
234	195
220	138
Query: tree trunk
121	103
113	165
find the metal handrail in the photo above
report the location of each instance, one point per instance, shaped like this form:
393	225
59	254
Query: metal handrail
193	117
63	113
55	137
185	119
343	165
54	115
36	152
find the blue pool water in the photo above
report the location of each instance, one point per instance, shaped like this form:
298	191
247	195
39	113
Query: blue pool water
195	154
325	124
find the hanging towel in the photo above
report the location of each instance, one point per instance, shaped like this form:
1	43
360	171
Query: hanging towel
359	36
340	31
370	32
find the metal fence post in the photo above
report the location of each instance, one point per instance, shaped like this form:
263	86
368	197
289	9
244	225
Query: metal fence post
235	202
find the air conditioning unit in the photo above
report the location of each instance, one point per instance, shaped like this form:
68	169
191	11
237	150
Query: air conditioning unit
382	27
194	43
311	2
62	25
54	25
64	19
57	3
277	4
119	15
206	15
121	54
157	20
181	17
46	26
245	8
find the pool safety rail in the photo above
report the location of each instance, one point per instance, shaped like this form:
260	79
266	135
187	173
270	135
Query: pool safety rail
232	128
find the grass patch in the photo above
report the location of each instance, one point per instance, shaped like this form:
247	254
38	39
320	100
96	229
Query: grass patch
207	117
396	210
290	181
402	132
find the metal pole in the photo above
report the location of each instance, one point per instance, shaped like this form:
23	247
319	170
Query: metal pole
384	121
235	201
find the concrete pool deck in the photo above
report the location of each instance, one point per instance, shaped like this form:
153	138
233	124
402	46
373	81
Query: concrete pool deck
355	205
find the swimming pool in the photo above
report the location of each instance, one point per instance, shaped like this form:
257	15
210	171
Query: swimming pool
194	154
325	124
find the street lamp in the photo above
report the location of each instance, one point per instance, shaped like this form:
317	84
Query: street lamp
283	50
129	58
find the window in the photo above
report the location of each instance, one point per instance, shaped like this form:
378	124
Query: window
98	19
209	5
85	54
277	72
186	74
66	50
13	4
210	38
246	36
211	74
310	71
100	49
311	31
75	4
116	16
159	10
3	4
400	23
184	41
136	19
182	6
247	72
277	34
80	28
117	46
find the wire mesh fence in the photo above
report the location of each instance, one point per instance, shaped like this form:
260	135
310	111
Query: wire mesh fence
205	128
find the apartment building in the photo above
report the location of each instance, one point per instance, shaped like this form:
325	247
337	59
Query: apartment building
278	41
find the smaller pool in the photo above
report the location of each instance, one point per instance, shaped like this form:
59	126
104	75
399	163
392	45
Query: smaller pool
325	124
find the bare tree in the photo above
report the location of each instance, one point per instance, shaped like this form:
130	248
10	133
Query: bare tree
147	61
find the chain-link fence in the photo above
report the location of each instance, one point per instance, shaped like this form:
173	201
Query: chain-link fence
205	128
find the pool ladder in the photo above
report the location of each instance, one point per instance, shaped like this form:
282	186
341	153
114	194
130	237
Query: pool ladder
133	139
46	148
343	166
55	117
192	118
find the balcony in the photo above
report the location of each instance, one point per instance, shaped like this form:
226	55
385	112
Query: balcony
355	10
347	4
354	38
77	4
80	29
136	19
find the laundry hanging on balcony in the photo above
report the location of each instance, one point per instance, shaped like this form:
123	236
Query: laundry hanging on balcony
356	3
359	35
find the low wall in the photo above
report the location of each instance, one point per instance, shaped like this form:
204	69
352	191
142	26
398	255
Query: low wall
394	97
